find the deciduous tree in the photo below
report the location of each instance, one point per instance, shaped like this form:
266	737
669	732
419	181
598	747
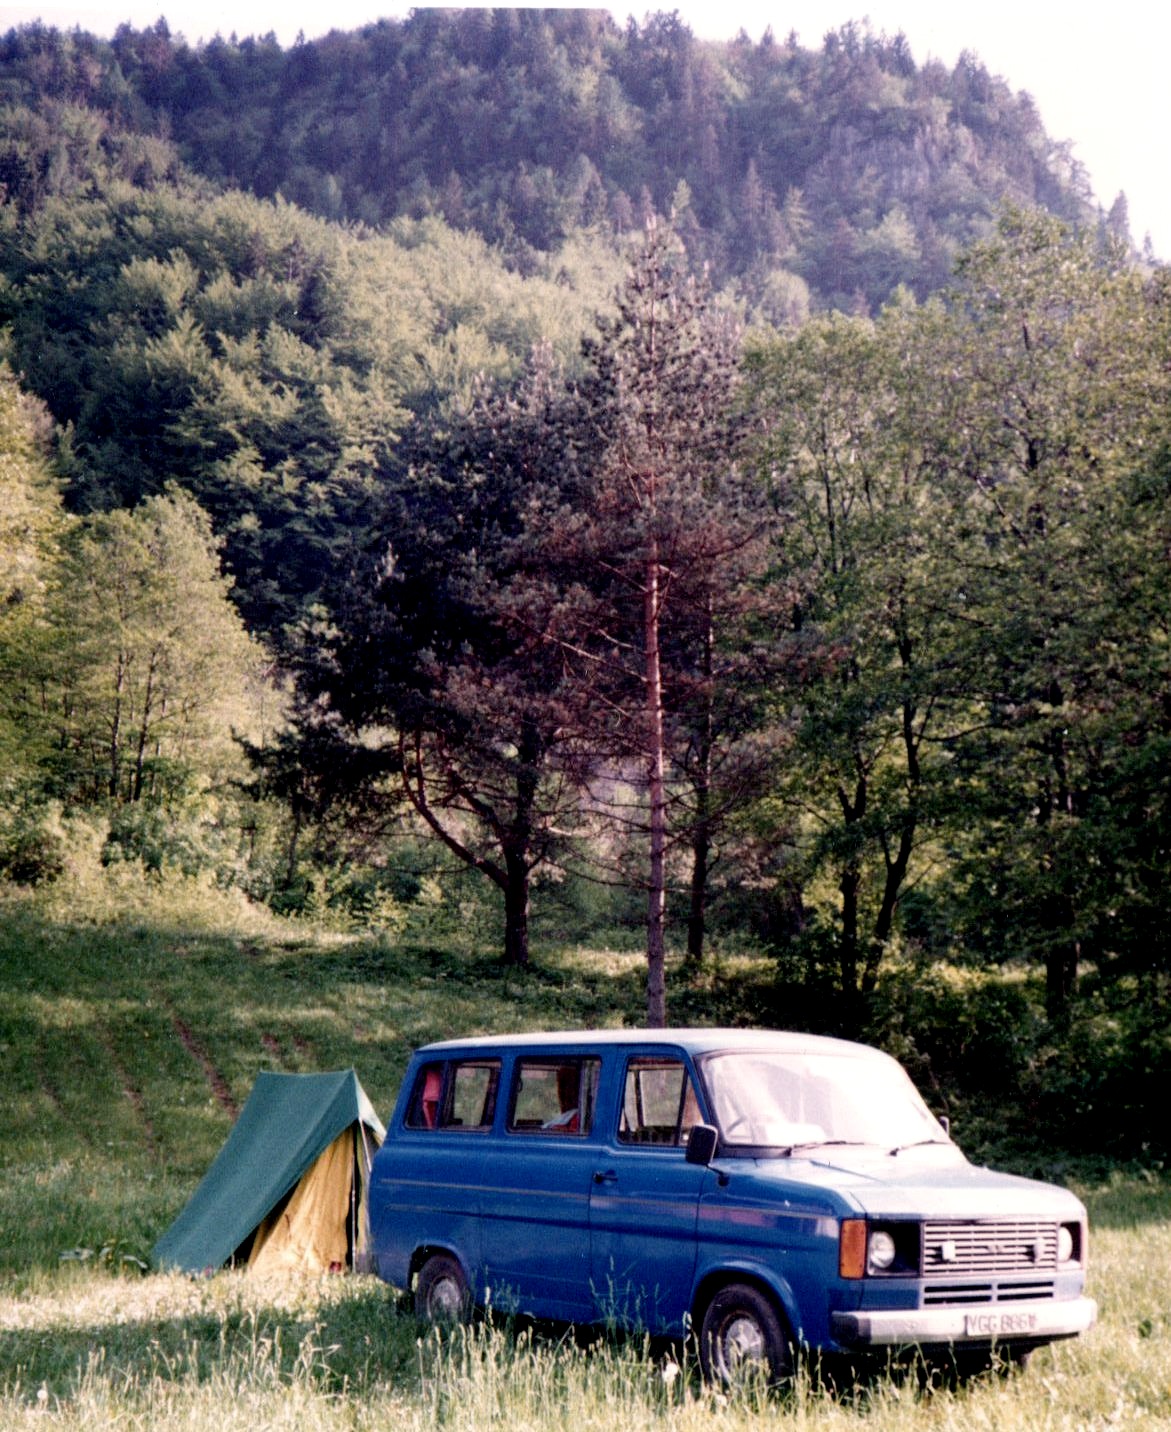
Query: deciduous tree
31	524
153	664
427	662
869	682
1057	400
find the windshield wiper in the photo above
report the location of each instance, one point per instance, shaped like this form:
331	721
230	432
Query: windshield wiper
791	1149
918	1143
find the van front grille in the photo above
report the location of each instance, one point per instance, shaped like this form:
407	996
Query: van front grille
988	1248
957	1295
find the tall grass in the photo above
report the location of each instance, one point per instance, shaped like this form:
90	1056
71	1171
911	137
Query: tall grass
125	1042
86	1348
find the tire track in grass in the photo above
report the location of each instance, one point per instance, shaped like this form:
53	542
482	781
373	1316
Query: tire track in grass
134	1098
216	1081
49	1090
273	1045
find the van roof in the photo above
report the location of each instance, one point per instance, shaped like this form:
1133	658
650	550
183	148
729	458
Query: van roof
692	1041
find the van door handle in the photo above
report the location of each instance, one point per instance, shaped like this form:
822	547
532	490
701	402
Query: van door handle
605	1176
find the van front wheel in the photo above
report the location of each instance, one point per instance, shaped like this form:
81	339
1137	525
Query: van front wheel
441	1290
741	1337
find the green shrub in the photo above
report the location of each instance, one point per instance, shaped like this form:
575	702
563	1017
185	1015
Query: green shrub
159	836
32	844
976	1030
1102	1084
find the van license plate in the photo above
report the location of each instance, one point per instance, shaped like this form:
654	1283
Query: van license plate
999	1324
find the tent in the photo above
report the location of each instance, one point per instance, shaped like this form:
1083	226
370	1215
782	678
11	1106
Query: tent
288	1188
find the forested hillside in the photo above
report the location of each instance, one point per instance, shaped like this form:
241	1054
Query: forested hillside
505	467
821	176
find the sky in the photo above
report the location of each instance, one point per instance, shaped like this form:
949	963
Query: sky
1096	71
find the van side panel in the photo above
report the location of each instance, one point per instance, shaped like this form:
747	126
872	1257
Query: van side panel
425	1191
536	1196
789	1242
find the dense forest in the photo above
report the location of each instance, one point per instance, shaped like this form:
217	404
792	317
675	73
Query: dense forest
813	177
718	491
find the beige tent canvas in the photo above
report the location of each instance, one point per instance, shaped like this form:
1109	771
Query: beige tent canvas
321	1227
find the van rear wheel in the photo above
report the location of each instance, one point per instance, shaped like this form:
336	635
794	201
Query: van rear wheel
742	1338
441	1290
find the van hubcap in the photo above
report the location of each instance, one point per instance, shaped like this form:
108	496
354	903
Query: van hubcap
446	1300
743	1341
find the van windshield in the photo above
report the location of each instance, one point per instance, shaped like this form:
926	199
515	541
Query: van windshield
777	1100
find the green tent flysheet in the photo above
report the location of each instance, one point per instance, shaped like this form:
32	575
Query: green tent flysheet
288	1188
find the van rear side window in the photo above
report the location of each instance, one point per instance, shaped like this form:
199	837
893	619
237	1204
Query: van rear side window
553	1096
460	1095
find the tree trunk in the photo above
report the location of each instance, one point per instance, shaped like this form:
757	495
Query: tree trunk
849	884
115	776
143	731
656	986
517	848
1061	967
511	873
896	874
294	839
701	835
1062	957
701	845
898	863
1064	953
516	911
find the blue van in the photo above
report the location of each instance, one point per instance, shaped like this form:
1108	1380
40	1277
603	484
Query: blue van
769	1192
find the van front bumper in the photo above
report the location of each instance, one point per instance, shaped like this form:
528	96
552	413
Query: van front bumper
988	1323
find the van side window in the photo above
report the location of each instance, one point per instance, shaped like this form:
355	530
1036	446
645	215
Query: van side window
658	1103
457	1096
473	1095
553	1096
423	1110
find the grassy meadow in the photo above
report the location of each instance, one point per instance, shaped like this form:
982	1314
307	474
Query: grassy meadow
129	1043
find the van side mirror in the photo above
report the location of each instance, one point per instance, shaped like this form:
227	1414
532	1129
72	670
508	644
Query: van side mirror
701	1144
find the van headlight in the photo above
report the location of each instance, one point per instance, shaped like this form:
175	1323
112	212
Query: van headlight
881	1251
1071	1244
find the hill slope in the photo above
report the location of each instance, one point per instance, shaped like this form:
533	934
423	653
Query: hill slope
848	169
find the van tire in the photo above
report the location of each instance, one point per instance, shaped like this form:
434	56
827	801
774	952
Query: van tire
742	1336
441	1291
